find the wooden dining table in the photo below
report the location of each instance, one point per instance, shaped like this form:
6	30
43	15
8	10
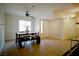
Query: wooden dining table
23	37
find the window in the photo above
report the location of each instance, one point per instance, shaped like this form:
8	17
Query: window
24	24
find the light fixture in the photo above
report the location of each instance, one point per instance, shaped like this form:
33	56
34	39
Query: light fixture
27	13
73	15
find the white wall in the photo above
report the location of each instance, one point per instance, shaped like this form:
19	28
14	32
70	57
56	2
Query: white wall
69	28
12	25
37	25
2	25
53	28
57	28
46	27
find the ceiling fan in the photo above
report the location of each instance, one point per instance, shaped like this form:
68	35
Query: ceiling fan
28	15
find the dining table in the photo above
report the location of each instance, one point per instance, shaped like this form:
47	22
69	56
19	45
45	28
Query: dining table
24	37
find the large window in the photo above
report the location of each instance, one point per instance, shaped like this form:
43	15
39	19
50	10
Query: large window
24	24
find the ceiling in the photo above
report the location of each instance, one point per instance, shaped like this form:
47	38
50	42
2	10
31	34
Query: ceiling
39	10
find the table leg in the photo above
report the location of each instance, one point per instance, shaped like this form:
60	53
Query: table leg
20	44
38	40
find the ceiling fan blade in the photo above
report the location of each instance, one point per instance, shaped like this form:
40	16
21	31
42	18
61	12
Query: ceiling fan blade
32	16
